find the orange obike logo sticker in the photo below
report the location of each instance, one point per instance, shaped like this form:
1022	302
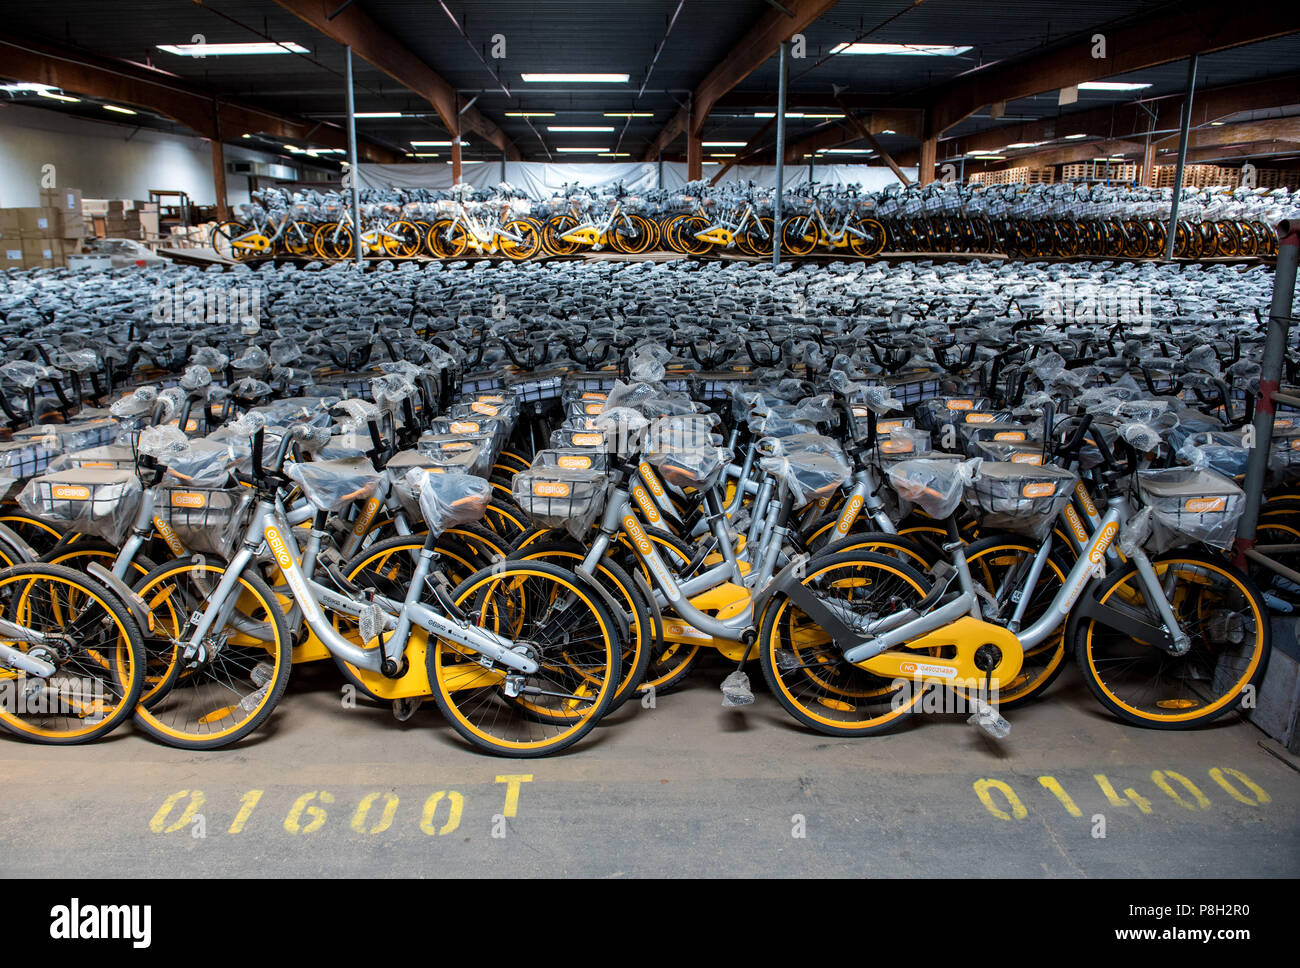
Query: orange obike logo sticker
593	395
169	536
1009	435
1076	525
651	481
551	488
593	408
849	515
634	532
895	446
478	406
491	398
1082	493
978	418
1038	489
366	516
588	440
1200	504
574	461
1027	459
1295	444
960	404
97	463
72	492
189	499
889	426
1104	538
456	447
464	427
646	502
278	547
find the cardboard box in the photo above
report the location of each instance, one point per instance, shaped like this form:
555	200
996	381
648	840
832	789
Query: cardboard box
149	224
38	253
11	254
94	206
72	225
9	223
66	200
38	223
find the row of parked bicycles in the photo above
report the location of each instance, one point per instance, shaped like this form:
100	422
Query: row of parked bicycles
531	492
1036	221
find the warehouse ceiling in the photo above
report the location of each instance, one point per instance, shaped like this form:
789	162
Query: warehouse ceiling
667	47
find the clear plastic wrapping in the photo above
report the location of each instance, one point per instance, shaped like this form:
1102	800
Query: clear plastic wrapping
448	500
1020	497
89	500
331	485
933	485
1189	505
472	453
694	467
808	474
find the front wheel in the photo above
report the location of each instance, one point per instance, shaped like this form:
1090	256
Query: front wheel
798	235
1222	611
554	618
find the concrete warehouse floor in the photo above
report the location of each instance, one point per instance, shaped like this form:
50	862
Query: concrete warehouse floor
686	788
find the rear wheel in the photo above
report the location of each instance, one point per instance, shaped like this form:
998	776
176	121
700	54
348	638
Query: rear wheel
799	235
519	239
807	671
871	242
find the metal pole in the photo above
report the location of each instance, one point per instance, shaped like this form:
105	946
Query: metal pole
661	169
1270	379
777	214
1182	156
352	164
503	166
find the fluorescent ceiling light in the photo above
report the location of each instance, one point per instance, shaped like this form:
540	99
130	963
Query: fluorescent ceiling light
421	154
588	129
1111	86
629	114
1025	144
583	151
378	114
989	157
245	135
844	151
436	144
712	162
23	87
575	78
809	114
227	50
530	114
724	144
55	95
116	110
772	114
328	151
901	50
1074	137
615	154
1216	124
715	154
466	162
889	131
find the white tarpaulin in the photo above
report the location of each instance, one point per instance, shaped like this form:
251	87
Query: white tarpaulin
540	179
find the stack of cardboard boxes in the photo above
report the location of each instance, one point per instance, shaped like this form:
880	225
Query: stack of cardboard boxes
42	237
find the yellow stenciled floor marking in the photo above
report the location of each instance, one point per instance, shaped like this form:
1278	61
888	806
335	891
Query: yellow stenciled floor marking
1261	798
1161	779
512	782
246	804
1050	783
1141	802
984	789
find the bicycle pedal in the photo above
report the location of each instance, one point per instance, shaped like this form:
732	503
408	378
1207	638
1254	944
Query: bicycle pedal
262	674
404	709
736	690
987	718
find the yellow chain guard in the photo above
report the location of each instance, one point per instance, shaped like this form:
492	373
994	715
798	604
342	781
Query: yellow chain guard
963	636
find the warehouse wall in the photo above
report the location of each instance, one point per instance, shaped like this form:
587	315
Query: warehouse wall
105	159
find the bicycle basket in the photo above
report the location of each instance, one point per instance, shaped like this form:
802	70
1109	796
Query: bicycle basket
115	456
1284	453
74	436
903	444
583	460
208	520
560	497
471	453
24	458
807	475
331	485
696	467
934	414
1190	505
1015	452
98	501
1020	497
